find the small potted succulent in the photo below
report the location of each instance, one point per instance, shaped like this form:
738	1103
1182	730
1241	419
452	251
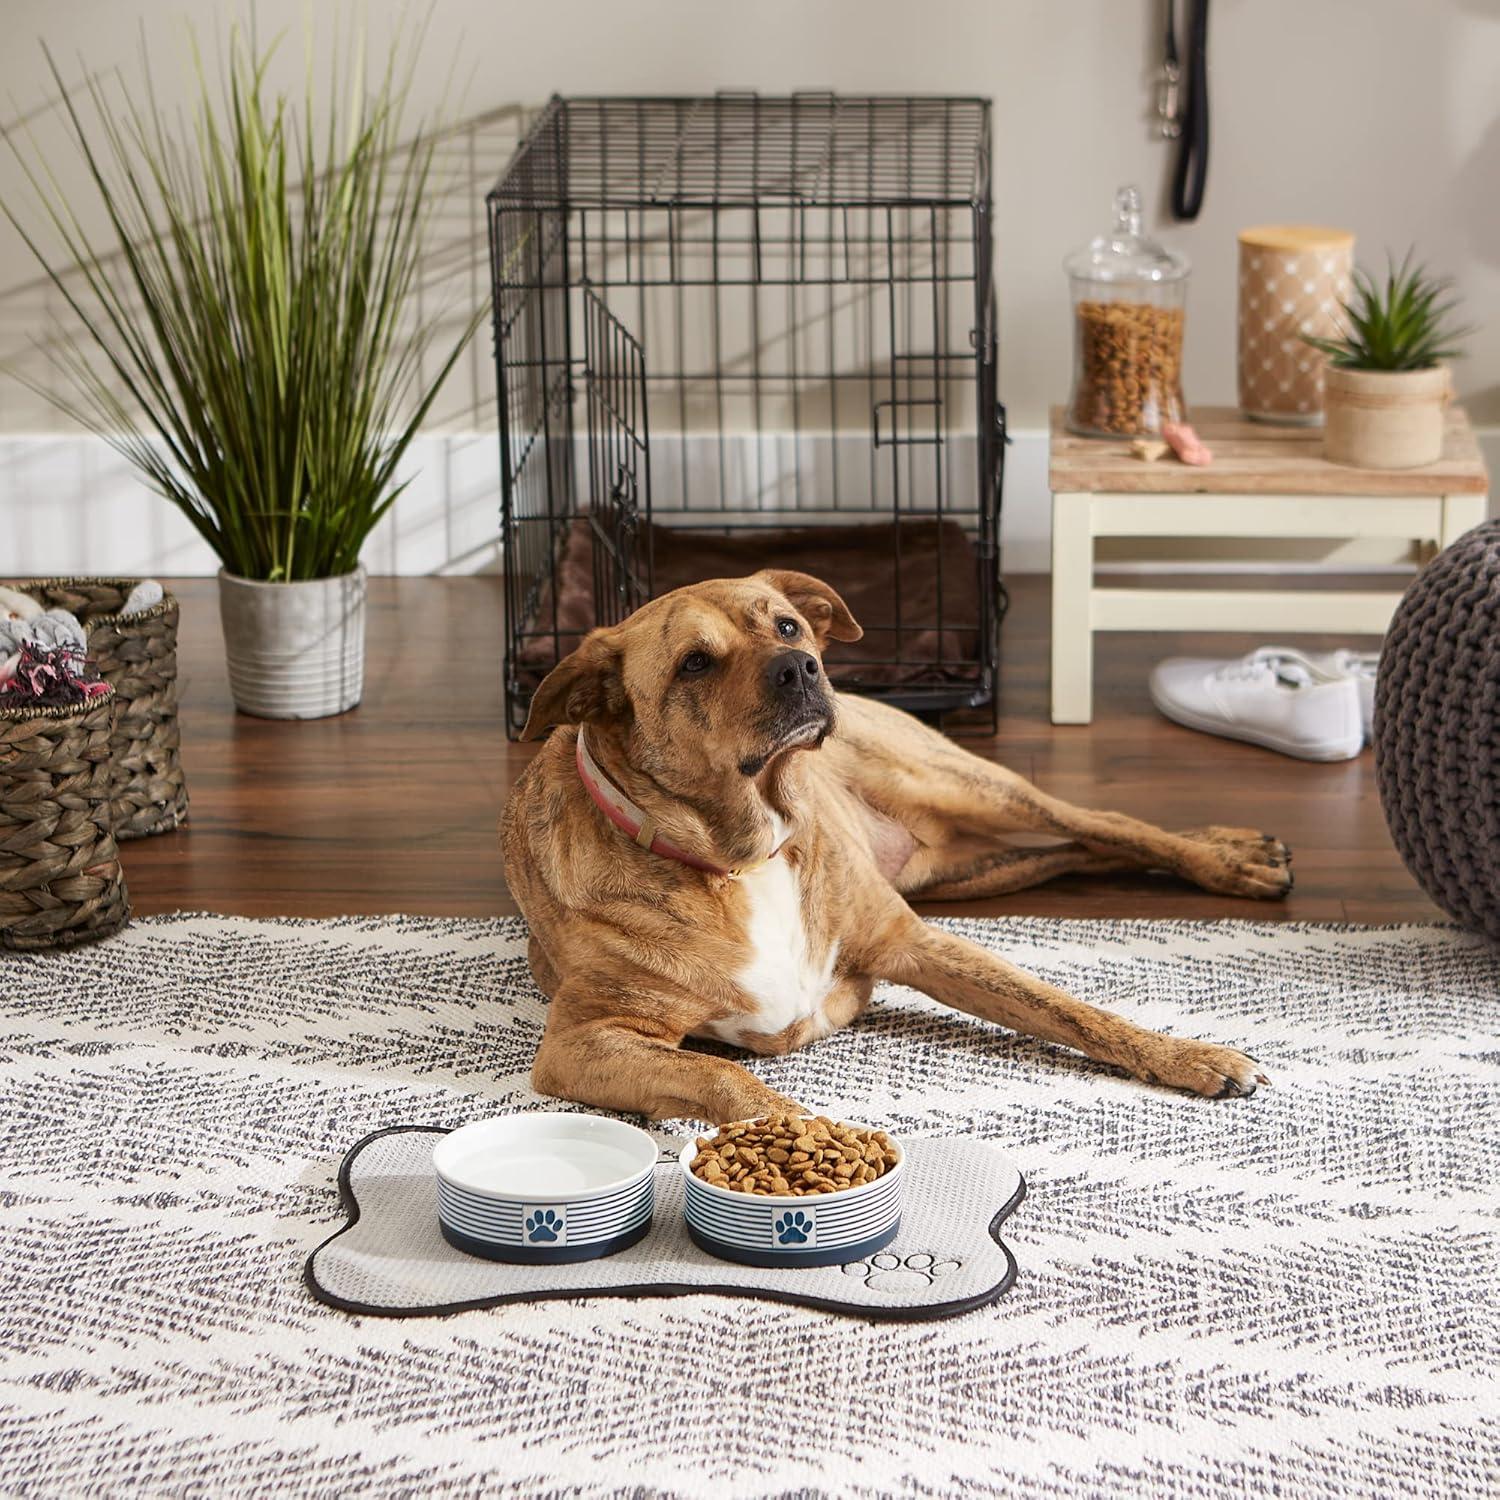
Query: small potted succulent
1386	385
246	331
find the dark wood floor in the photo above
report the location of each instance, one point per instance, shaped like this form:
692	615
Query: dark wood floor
392	808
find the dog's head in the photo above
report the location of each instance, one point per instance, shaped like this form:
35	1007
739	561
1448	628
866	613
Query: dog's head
720	677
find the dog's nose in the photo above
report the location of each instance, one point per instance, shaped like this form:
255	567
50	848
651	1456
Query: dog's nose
792	673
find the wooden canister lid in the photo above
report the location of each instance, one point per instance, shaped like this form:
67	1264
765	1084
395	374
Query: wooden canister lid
1296	237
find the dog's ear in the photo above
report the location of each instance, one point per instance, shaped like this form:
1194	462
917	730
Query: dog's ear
583	688
818	604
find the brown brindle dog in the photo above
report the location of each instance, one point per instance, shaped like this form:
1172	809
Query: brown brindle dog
783	830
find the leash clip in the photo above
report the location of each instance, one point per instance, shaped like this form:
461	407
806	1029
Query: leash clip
1168	100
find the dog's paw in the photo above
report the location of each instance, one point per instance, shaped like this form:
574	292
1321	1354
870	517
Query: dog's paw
1203	1068
1239	862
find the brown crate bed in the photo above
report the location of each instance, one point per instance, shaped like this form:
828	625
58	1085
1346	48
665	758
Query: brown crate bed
860	561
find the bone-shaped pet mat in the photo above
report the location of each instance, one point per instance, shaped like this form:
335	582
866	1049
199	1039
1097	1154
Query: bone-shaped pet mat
391	1259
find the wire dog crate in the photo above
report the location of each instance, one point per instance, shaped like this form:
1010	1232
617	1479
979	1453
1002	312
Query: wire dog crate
736	332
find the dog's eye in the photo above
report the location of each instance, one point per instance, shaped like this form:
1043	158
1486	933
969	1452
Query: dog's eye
695	662
788	630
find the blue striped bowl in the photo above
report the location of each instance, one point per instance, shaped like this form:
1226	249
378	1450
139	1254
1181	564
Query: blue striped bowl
545	1188
821	1229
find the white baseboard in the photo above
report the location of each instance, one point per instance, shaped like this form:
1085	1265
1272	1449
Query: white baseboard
71	505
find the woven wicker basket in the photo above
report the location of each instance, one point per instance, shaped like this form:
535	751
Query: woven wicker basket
60	877
137	656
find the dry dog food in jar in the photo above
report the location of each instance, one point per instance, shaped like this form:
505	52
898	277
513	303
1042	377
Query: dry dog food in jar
1128	297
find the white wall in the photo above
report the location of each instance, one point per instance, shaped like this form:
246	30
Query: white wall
1382	116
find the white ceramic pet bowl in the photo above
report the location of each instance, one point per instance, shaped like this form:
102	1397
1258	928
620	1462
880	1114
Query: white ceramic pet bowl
820	1229
545	1188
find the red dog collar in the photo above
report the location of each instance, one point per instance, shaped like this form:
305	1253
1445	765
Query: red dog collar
637	824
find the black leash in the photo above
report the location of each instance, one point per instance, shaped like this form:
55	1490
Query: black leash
1187	121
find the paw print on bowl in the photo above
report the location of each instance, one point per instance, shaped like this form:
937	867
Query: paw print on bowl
793	1228
895	1273
544	1227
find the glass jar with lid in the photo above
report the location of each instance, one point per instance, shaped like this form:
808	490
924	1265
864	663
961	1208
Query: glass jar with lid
1128	299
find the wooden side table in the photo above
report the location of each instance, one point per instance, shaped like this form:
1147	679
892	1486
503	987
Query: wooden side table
1264	482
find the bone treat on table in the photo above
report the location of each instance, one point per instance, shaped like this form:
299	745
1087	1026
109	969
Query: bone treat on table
1186	444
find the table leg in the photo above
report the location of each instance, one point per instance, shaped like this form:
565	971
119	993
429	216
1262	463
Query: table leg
1072	626
1460	514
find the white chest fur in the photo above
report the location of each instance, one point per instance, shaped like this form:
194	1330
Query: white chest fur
784	980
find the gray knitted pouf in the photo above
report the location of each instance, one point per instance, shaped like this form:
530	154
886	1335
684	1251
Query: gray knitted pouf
1437	729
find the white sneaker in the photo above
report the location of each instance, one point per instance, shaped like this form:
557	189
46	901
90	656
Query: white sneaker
1274	697
1361	666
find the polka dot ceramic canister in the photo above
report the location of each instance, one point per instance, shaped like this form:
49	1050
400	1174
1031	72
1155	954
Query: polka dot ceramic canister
1293	280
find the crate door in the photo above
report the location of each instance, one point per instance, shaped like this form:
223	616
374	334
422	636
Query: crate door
619	463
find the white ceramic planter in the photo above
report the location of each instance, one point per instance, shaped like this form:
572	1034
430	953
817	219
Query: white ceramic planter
1384	419
295	650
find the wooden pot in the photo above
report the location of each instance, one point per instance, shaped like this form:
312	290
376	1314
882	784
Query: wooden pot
1293	281
1384	419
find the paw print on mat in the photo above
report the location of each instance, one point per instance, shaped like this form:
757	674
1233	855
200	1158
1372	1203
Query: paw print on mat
543	1226
893	1273
793	1228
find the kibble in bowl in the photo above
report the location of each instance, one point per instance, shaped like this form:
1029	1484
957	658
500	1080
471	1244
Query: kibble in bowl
793	1190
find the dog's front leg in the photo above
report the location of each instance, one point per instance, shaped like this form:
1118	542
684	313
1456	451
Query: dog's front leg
970	978
628	1065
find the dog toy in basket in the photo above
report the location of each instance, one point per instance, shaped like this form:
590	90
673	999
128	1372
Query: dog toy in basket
43	655
50	676
131	630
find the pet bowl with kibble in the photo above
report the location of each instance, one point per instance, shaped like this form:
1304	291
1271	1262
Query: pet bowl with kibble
546	1187
793	1229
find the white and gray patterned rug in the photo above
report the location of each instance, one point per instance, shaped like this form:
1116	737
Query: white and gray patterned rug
1295	1294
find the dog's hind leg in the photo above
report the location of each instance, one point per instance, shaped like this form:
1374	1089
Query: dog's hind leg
972	979
946	797
973	868
1233	861
625	1065
996	802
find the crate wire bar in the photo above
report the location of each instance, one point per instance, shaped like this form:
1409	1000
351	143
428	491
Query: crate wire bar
738	322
